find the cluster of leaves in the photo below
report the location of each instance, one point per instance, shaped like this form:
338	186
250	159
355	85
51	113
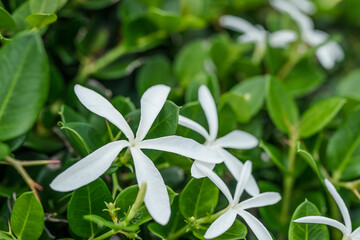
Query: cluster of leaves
307	118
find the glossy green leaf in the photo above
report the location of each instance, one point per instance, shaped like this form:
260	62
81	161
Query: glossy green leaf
27	218
24	84
4	150
281	107
319	115
43	6
5	236
238	105
6	20
19	16
237	231
343	150
349	86
198	198
301	231
253	90
310	160
69	115
88	200
40	20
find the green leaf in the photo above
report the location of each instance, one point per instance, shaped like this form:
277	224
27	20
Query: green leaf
119	69
5	236
282	108
24	84
237	231
167	21
238	105
43	6
319	115
310	160
6	20
199	198
275	155
88	200
19	16
156	70
27	218
253	89
40	20
4	150
343	150
349	86
69	115
301	231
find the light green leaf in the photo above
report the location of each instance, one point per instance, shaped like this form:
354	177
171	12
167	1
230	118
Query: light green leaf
349	86
27	218
301	231
4	150
237	104
237	231
88	200
40	20
24	84
319	115
43	6
310	160
19	16
6	20
282	108
198	198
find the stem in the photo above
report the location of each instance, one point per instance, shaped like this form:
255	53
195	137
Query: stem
178	233
106	235
116	185
109	130
290	64
258	53
137	204
33	163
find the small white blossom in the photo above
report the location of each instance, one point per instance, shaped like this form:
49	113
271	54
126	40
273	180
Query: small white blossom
95	164
345	229
225	221
236	139
329	53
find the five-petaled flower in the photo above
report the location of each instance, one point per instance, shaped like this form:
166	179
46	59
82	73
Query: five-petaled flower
345	229
236	139
225	221
95	164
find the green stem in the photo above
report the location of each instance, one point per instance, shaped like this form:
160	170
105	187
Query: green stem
33	163
116	186
290	64
179	233
109	131
137	204
106	235
258	53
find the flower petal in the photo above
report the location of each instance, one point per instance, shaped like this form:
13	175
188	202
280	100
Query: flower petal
197	173
243	180
256	226
236	24
102	107
305	5
282	38
208	105
329	54
182	146
326	221
156	197
221	225
263	199
186	122
237	139
235	166
152	102
89	168
355	234
340	202
215	179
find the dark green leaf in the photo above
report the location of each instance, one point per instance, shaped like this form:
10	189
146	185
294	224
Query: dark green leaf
40	20
275	155
24	84
88	200
119	69
19	16
349	86
27	218
69	115
301	231
6	20
310	160
198	198
319	115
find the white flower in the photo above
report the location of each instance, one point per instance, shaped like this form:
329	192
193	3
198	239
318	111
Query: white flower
95	164
345	229
236	139
256	33
225	221
330	52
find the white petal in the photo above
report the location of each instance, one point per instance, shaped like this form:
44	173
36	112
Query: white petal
263	199
235	166
237	139
355	235
186	122
341	204
243	180
102	107
316	37
282	38
256	226
208	105
326	221
89	168
305	5
156	197
182	146
221	225
196	173
152	102
329	54
215	179
236	24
